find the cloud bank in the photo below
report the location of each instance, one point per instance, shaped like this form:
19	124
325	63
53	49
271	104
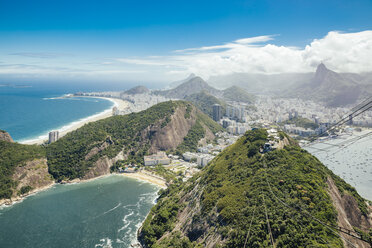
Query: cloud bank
342	52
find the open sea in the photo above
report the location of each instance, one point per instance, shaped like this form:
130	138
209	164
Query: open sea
28	113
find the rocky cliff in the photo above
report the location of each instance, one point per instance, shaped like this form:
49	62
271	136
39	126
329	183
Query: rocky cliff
23	170
5	136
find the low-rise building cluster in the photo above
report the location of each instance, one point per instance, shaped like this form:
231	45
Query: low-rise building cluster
160	158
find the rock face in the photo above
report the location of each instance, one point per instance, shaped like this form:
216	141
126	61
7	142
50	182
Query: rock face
34	174
5	136
102	166
349	215
170	136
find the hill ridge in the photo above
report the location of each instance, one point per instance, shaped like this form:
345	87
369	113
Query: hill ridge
215	207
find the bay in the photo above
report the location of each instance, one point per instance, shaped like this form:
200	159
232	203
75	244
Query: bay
349	158
105	212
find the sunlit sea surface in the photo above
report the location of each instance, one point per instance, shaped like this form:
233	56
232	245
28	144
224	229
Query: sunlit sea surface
30	113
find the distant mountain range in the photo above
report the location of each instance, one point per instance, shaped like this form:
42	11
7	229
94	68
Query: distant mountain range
332	88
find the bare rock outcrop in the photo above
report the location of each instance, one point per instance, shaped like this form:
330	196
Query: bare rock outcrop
170	136
5	136
102	166
33	174
349	214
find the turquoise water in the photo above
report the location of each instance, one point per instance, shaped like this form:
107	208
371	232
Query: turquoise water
105	212
28	113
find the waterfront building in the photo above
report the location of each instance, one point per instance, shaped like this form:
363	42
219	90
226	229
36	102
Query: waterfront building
53	136
158	158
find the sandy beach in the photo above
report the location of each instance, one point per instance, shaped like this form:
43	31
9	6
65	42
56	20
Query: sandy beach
146	177
142	176
120	104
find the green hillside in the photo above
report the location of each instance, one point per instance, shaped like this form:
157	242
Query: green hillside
74	154
301	122
237	94
205	101
11	156
226	204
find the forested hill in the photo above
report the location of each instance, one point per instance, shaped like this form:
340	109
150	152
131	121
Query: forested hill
205	101
247	199
94	149
237	94
15	158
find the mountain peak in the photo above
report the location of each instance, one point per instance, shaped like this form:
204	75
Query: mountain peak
321	69
321	72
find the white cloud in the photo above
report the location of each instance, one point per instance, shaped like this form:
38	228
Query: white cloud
342	52
257	39
231	45
346	52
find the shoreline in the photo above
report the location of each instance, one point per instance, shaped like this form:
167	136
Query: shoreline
146	177
18	199
139	176
119	103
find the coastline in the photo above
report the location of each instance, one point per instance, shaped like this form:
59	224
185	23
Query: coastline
119	103
140	176
147	177
10	202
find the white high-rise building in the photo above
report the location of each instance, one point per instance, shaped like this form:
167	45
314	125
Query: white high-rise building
53	136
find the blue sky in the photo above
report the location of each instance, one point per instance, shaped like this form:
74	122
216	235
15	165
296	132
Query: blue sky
52	39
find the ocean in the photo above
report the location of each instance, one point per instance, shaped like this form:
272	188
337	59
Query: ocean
28	113
105	212
352	160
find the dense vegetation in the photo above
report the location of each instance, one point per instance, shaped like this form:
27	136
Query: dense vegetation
72	156
301	122
67	158
237	94
239	187
205	101
11	156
